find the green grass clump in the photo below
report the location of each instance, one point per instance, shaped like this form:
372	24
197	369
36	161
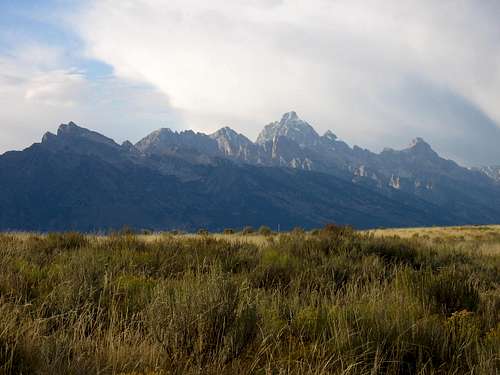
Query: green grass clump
332	301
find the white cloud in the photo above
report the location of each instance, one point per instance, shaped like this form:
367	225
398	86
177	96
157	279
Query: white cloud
348	65
38	91
56	88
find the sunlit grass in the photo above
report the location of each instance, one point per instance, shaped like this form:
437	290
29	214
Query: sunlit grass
402	301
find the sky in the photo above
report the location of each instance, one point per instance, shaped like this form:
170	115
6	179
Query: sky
377	73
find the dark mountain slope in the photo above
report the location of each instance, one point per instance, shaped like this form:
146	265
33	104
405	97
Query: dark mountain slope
78	179
62	190
471	196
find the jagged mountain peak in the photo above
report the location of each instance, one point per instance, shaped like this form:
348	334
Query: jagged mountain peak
230	134
156	138
162	132
292	127
71	132
71	129
291	119
290	116
418	145
233	144
226	131
127	144
417	148
418	142
163	140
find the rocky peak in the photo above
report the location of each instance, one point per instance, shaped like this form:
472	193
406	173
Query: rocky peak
418	142
234	144
227	133
329	135
70	128
292	127
156	136
129	146
163	140
71	134
420	148
290	116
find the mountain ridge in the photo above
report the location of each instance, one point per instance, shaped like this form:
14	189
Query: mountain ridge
292	176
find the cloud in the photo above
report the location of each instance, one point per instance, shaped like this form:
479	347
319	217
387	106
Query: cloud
347	65
56	88
39	90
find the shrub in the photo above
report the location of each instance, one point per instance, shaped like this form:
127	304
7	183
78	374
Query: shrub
41	249
275	271
13	357
450	291
200	318
126	230
132	293
312	324
298	231
337	230
265	231
446	292
228	231
247	230
395	251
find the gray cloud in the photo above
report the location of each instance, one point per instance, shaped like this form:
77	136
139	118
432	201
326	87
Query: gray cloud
352	66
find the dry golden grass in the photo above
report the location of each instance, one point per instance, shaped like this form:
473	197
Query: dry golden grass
479	232
402	301
237	238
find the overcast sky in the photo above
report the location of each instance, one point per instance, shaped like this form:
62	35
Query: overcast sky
377	73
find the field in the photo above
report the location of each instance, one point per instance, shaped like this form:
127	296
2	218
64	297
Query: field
402	301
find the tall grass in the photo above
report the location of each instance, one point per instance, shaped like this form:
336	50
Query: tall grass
336	301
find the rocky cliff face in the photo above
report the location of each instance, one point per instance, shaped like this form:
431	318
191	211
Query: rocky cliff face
236	146
163	141
291	127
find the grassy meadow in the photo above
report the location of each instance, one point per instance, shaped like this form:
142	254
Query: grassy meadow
331	301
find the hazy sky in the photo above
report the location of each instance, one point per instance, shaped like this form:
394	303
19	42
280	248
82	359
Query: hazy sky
376	72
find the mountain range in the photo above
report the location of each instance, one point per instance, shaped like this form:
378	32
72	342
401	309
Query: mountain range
290	176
